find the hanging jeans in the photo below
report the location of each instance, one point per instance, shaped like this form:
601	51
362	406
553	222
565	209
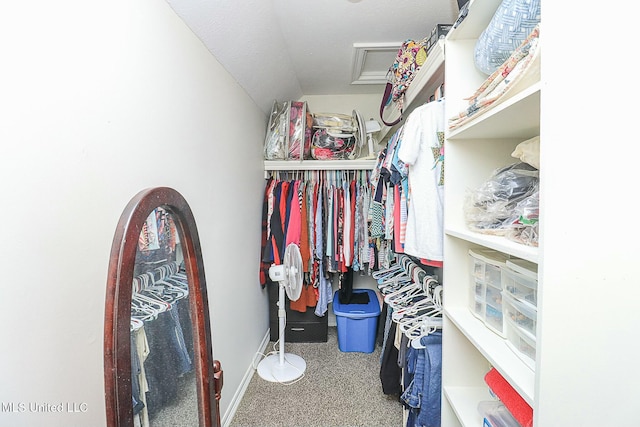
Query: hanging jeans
423	395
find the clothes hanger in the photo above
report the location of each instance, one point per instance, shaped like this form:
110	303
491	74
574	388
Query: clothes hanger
405	296
431	299
408	263
180	273
387	272
393	280
397	276
154	303
430	316
395	266
143	310
424	316
150	293
413	292
180	281
419	319
394	285
177	292
403	272
436	295
421	324
416	310
135	285
136	324
429	327
156	291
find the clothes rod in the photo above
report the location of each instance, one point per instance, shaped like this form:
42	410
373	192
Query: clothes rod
358	164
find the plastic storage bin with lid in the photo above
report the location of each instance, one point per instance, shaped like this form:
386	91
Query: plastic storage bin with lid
521	314
520	280
485	298
521	321
495	414
357	323
522	343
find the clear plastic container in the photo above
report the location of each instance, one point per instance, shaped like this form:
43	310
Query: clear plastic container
520	279
487	266
493	296
495	414
485	292
478	308
494	318
477	286
521	343
521	313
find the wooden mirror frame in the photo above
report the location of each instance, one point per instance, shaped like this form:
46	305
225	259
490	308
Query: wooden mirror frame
117	343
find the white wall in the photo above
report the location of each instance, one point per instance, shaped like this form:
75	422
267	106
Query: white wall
367	105
99	100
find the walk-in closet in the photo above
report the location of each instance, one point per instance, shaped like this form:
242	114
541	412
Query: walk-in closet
337	213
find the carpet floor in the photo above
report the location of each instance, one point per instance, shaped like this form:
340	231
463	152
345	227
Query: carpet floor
338	389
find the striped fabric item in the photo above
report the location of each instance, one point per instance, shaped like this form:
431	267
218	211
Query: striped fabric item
510	26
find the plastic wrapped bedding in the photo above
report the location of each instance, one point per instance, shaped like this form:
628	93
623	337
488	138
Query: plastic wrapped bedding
490	209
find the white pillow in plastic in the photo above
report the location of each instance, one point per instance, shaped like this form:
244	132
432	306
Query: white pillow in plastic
529	152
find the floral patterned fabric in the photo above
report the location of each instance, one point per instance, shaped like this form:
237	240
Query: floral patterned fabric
495	87
411	55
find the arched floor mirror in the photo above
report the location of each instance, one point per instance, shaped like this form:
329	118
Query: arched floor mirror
159	369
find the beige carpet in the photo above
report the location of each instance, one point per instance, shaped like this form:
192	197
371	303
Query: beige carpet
339	389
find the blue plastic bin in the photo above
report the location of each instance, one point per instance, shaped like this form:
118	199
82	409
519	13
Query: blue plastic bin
357	323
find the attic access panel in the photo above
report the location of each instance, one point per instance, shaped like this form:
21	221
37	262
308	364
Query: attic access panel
371	62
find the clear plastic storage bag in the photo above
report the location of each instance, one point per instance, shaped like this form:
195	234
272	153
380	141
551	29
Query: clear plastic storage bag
299	131
337	136
489	208
289	132
276	144
327	145
336	121
522	226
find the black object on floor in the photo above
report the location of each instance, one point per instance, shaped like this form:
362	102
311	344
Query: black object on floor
345	290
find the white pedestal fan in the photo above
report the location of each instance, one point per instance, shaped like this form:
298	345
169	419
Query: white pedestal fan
285	367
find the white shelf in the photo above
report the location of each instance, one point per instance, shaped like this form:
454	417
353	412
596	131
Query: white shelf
357	164
495	349
429	76
474	150
498	243
515	117
464	402
576	358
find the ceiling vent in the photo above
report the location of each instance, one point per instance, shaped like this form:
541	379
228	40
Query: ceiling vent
371	61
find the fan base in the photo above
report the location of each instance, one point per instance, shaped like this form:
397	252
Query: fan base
270	369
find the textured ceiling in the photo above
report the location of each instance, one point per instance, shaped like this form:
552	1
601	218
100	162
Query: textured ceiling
284	49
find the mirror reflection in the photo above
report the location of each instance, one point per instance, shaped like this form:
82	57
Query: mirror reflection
163	380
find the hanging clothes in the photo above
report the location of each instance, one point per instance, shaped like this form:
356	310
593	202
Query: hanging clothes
423	150
266	214
407	186
323	213
423	395
412	346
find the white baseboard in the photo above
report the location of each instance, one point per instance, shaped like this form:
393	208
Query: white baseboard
237	397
